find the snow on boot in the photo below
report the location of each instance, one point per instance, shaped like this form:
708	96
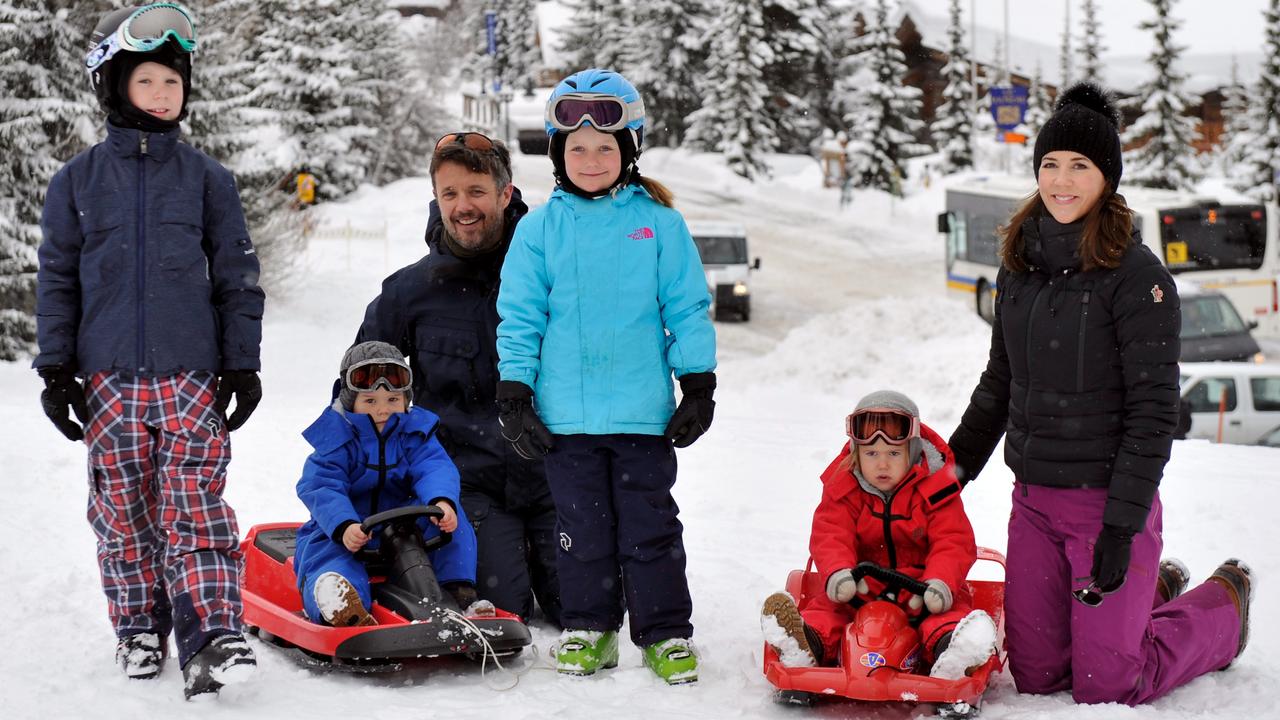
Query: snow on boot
971	643
225	660
1172	579
784	631
583	652
481	608
141	655
674	660
1237	578
339	603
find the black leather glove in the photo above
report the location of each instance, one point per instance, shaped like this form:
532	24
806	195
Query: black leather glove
693	416
520	423
247	389
62	391
1111	557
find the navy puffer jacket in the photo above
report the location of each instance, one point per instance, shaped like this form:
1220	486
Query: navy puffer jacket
146	265
1082	378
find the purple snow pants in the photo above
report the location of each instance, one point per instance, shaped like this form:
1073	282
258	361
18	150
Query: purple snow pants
1125	650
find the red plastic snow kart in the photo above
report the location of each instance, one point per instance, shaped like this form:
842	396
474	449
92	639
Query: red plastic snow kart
415	618
881	647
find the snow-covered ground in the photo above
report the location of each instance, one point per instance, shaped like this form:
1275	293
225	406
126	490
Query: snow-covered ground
846	302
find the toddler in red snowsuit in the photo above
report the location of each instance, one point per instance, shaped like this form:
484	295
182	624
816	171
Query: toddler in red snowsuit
890	497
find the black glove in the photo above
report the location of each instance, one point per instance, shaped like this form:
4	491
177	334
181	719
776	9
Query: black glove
1111	557
246	387
693	415
520	423
62	390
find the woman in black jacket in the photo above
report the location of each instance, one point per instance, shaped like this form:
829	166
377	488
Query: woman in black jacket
1082	380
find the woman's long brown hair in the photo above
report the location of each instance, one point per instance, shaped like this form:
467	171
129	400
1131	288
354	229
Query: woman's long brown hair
1103	240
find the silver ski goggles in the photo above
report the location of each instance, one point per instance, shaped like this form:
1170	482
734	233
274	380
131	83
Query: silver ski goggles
146	30
605	112
368	375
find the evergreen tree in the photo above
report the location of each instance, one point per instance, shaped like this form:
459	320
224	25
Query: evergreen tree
1091	47
953	128
1065	70
519	59
599	35
47	116
732	119
413	114
1039	106
881	113
795	35
478	65
665	69
1259	173
1166	159
1235	110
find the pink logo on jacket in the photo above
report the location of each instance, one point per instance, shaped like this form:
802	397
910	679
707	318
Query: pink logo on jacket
643	233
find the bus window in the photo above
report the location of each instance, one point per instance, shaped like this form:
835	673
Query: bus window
958	237
982	239
1224	237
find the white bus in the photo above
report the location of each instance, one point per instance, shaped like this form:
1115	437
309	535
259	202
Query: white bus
1230	247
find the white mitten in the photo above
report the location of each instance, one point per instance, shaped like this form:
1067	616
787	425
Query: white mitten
841	586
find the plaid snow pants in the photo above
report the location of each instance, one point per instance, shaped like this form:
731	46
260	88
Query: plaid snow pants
168	545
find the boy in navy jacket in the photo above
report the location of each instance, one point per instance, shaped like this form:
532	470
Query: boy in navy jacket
148	291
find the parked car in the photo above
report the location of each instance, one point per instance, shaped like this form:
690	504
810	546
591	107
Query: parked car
1212	330
723	248
1249	394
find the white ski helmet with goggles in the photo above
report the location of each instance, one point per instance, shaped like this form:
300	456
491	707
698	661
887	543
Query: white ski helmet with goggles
146	29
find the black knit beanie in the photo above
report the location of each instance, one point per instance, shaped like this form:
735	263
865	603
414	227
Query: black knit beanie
1086	121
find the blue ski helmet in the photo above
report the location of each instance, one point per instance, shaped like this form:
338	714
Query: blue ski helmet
602	98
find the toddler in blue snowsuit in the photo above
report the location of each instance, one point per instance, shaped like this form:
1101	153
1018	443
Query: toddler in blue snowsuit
373	453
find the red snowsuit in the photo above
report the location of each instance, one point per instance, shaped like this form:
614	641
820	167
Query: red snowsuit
925	535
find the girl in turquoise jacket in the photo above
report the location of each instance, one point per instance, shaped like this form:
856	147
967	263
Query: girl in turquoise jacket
602	300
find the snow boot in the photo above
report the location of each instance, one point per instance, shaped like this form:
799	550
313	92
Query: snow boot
674	660
797	644
339	603
224	660
966	648
1172	579
583	652
481	608
463	593
1237	578
142	655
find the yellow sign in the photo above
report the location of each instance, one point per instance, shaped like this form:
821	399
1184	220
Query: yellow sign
306	188
1175	253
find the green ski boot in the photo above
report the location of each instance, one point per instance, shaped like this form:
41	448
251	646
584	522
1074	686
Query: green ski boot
583	652
674	660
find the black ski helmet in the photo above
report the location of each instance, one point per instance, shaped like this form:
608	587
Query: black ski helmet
106	79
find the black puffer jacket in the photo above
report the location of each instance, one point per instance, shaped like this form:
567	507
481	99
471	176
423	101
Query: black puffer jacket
441	313
1083	374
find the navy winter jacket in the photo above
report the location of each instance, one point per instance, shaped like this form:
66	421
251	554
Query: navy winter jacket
146	265
441	312
1082	377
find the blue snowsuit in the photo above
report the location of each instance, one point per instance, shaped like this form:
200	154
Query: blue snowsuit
601	301
355	472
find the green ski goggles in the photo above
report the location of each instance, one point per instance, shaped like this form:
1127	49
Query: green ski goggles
145	30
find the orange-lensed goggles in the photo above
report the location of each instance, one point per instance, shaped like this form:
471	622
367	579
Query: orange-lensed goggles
367	376
889	424
472	140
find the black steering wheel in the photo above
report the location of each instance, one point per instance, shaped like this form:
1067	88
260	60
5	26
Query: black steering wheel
894	582
406	516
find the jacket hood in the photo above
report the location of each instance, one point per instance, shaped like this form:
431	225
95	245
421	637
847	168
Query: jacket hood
336	427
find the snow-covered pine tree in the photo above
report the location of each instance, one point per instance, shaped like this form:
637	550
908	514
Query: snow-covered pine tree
477	64
519	59
1039	107
383	73
1235	111
599	35
1065	69
953	128
415	117
732	119
795	34
666	67
1259	173
1167	157
47	116
881	113
1091	47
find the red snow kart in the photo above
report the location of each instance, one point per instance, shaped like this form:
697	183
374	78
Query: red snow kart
881	648
415	618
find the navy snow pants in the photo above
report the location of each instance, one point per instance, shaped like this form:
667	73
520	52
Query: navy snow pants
516	559
621	544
